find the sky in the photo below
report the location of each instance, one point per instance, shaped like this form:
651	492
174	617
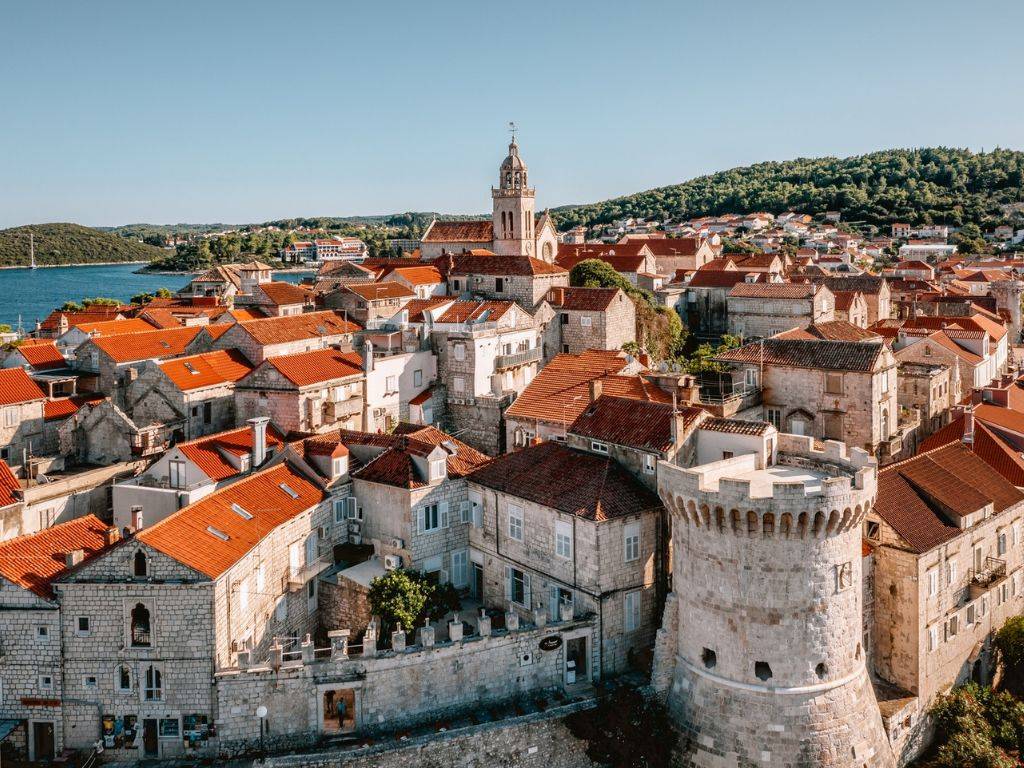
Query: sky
237	112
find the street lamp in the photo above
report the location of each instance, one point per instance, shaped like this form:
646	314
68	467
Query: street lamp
261	713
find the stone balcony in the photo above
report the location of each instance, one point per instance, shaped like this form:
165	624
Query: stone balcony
504	362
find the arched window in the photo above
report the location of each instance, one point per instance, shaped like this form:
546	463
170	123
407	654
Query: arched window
139	565
153	688
885	424
140	626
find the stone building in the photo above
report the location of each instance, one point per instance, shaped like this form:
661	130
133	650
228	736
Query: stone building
275	336
32	678
592	318
278	299
109	364
570	532
760	652
931	388
513	230
369	304
832	390
522	279
948	537
852	307
306	392
967	352
147	624
760	310
81	332
21	415
876	292
193	394
703	301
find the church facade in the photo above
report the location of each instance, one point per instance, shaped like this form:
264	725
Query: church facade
514	228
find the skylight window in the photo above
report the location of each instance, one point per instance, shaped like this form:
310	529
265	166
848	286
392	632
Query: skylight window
287	489
214	532
165	345
239	509
191	369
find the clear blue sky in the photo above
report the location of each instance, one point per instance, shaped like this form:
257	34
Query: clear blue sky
118	112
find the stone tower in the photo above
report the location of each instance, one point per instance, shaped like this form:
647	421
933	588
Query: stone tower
513	207
760	654
1008	294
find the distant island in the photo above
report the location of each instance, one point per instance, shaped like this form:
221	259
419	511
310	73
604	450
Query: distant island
917	186
66	244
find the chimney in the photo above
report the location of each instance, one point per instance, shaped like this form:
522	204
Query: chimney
596	385
111	536
367	356
968	438
74	557
136	519
259	440
556	296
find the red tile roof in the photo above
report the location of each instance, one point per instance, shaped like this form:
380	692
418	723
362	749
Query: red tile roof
207	453
152	345
310	325
42	357
490	264
281	293
417	307
94	314
36	560
736	426
378	291
561	391
987	445
830	330
62	407
718	278
395	466
317	366
579	483
808	353
582	299
910	492
186	535
207	369
426	275
465	311
640	424
481	231
17	387
773	291
114	327
10	488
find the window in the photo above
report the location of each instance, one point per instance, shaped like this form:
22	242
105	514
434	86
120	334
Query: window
311	595
631	608
563	539
243	594
82	630
417	378
933	582
42	633
438	469
176	473
89	682
477	500
871	528
834	383
774	417
140	567
631	541
952	626
169	728
391	384
950	572
933	637
1001	542
458	384
750	377
709	657
207	413
429	518
597	447
140	626
586	322
563	319
499	282
311	541
339	466
517	586
153	684
10	417
515	522
46	682
560	599
460	352
762	670
648	464
460	568
970	614
123	679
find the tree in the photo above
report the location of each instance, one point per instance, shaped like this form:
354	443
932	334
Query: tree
625	730
398	597
1009	644
71	306
101	301
969	239
974	725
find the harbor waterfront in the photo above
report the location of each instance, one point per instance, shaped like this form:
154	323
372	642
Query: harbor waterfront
33	294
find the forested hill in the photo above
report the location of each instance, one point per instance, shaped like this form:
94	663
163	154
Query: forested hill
940	185
70	244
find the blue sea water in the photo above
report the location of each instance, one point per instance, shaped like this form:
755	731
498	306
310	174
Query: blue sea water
33	294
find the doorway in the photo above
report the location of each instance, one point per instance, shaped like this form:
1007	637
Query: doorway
339	711
576	660
150	745
42	741
476	585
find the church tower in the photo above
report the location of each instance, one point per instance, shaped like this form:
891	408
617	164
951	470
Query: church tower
513	207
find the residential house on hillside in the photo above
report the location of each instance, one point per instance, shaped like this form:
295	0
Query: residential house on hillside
831	390
875	290
569	531
759	310
195	394
672	254
631	259
591	318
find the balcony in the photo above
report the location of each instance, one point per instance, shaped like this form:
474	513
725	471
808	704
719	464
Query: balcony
504	362
981	580
727	393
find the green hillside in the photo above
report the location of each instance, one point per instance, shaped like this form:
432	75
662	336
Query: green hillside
70	244
919	186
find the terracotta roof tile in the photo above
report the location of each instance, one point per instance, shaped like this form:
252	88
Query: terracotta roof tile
577	299
36	560
395	466
481	231
987	445
207	369
17	387
282	293
186	535
114	327
772	291
43	357
280	330
426	275
317	366
830	330
62	407
377	291
736	426
207	453
10	488
416	307
490	264
151	345
717	278
640	424
808	353
582	484
465	311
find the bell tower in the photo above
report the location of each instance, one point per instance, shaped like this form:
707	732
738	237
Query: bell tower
513	206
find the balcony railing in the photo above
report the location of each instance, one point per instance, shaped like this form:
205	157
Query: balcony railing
985	578
501	362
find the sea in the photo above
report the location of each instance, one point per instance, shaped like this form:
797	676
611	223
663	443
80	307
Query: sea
27	295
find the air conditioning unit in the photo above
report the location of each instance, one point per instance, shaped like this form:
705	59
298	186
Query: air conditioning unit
398	543
355	538
391	562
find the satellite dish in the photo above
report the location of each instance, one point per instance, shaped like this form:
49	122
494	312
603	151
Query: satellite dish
261	711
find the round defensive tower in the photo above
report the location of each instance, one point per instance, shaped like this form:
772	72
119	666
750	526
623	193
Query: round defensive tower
761	646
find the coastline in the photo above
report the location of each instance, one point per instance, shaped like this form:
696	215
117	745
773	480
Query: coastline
85	264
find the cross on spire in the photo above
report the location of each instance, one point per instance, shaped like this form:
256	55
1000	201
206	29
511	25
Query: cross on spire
512	130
